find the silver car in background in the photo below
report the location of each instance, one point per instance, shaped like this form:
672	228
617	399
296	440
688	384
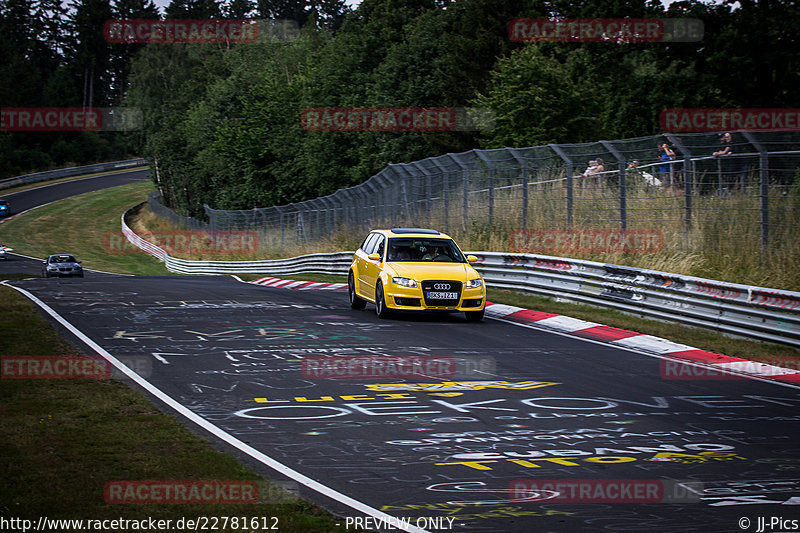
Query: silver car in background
58	265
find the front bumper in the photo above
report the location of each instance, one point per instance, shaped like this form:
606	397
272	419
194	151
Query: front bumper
65	273
412	299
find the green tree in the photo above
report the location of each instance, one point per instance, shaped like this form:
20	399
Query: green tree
539	99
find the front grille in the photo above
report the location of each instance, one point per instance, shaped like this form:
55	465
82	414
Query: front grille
472	302
441	286
408	302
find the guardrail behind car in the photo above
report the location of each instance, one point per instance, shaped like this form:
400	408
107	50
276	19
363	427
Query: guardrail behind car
72	171
747	311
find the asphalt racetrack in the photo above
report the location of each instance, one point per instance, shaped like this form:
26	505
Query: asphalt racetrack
447	425
44	193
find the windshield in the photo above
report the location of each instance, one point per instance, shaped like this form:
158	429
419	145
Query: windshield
63	259
437	250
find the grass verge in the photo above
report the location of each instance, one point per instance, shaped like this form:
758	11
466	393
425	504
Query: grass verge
62	440
87	226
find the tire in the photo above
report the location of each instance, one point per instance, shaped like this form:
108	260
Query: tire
474	316
355	301
380	302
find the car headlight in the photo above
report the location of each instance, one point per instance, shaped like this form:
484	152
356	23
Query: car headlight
474	283
404	282
52	267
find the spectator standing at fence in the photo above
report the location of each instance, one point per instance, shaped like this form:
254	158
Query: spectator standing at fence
727	145
665	154
736	168
595	168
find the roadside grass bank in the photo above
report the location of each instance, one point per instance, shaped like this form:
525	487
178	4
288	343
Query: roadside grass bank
87	226
62	440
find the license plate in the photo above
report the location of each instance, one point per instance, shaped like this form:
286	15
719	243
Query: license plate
443	296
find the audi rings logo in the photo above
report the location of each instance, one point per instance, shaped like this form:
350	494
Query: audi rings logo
441	286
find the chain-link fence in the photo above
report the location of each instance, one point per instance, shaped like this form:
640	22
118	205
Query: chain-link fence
181	221
750	194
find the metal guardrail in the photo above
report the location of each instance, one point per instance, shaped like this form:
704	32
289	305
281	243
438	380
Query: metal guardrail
742	310
747	311
330	263
69	172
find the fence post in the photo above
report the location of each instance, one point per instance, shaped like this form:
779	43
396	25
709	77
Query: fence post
347	206
688	180
445	192
465	188
490	169
389	194
381	186
523	163
763	178
623	189
212	218
375	195
428	189
568	170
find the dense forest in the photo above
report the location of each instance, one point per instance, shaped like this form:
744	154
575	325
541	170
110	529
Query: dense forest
221	121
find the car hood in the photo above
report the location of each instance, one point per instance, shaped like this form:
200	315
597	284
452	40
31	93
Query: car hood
431	270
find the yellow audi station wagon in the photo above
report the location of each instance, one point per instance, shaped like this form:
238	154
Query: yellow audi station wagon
413	269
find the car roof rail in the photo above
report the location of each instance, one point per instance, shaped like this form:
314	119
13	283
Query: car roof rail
415	230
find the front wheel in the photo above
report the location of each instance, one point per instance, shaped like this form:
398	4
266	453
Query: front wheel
355	301
380	302
474	316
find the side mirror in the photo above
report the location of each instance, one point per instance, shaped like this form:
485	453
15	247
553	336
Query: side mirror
80	261
471	258
374	257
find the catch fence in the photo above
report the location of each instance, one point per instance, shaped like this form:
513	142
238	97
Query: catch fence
751	195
